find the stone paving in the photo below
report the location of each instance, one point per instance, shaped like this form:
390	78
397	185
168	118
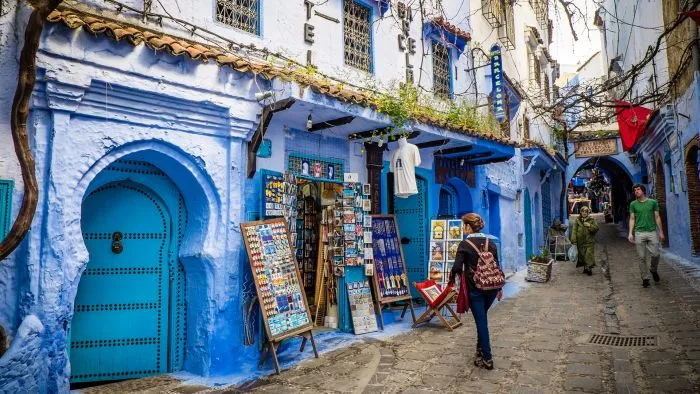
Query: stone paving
539	339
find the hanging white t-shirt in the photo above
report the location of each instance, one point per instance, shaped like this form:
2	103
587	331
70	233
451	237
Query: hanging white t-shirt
403	164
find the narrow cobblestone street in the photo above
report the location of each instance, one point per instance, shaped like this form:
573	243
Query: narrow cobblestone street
539	339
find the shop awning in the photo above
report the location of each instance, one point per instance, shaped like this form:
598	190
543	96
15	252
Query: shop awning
514	97
538	158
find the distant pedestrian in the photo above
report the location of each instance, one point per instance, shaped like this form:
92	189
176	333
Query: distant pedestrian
645	221
583	236
466	260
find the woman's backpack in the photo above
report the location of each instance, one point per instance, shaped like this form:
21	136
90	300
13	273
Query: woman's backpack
487	275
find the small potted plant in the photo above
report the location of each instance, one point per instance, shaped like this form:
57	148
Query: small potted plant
539	267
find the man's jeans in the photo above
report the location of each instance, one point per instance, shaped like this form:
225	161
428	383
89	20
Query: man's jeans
647	244
479	302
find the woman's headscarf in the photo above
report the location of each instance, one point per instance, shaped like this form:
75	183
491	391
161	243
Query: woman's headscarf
584	208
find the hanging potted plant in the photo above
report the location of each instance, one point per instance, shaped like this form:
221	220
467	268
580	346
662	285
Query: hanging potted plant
539	267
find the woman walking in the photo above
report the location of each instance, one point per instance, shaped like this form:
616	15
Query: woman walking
583	236
469	254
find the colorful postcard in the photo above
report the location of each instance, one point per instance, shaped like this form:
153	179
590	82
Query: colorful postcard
452	248
437	229
366	205
437	251
454	229
366	189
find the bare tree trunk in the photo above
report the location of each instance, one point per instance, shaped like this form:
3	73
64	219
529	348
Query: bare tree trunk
18	124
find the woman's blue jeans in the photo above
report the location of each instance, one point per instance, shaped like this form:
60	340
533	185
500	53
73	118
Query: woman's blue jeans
479	302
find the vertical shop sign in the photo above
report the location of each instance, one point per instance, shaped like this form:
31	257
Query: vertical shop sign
308	31
499	110
406	44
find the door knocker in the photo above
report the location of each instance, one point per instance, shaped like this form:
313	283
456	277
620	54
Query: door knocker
117	246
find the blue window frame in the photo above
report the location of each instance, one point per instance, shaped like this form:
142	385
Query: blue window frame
442	71
241	14
357	35
5	207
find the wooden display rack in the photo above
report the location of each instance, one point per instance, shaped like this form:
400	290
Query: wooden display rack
380	301
436	310
303	331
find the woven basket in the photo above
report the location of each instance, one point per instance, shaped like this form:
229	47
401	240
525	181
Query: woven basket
539	272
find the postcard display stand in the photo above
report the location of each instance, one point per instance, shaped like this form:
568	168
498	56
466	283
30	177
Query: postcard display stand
277	279
445	236
390	278
280	198
349	261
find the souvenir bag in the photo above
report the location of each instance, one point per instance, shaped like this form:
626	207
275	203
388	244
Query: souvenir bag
463	295
487	275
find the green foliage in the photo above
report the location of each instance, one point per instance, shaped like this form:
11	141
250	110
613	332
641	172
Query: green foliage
542	256
407	104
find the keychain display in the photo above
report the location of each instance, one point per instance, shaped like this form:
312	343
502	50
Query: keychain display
280	199
276	276
389	266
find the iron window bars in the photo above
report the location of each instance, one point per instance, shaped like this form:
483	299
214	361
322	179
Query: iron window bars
541	10
357	36
241	14
493	12
441	71
506	33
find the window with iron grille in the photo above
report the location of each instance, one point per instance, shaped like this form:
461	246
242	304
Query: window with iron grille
546	87
506	33
441	71
241	14
535	72
357	32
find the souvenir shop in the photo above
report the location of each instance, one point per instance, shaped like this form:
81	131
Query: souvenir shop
320	252
349	264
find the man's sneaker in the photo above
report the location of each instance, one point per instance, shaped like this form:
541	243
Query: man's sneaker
645	283
655	275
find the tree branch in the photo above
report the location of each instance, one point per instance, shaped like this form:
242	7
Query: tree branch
18	124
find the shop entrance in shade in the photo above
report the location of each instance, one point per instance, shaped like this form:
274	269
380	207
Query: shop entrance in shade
412	219
129	312
602	184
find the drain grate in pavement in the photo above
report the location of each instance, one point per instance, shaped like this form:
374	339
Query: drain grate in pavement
617	340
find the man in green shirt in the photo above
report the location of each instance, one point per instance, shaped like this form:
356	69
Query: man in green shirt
644	223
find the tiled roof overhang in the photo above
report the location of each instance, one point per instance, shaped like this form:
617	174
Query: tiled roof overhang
137	35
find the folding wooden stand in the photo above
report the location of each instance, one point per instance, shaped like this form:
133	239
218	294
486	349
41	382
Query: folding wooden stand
436	310
272	345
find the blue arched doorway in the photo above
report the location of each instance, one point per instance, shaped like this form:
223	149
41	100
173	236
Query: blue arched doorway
129	312
448	201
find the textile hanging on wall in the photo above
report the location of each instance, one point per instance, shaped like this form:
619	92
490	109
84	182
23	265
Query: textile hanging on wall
403	164
632	120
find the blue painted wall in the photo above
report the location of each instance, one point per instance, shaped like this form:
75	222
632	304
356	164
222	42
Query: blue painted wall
85	117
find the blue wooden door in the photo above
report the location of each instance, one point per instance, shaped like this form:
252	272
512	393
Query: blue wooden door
120	326
412	218
528	225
